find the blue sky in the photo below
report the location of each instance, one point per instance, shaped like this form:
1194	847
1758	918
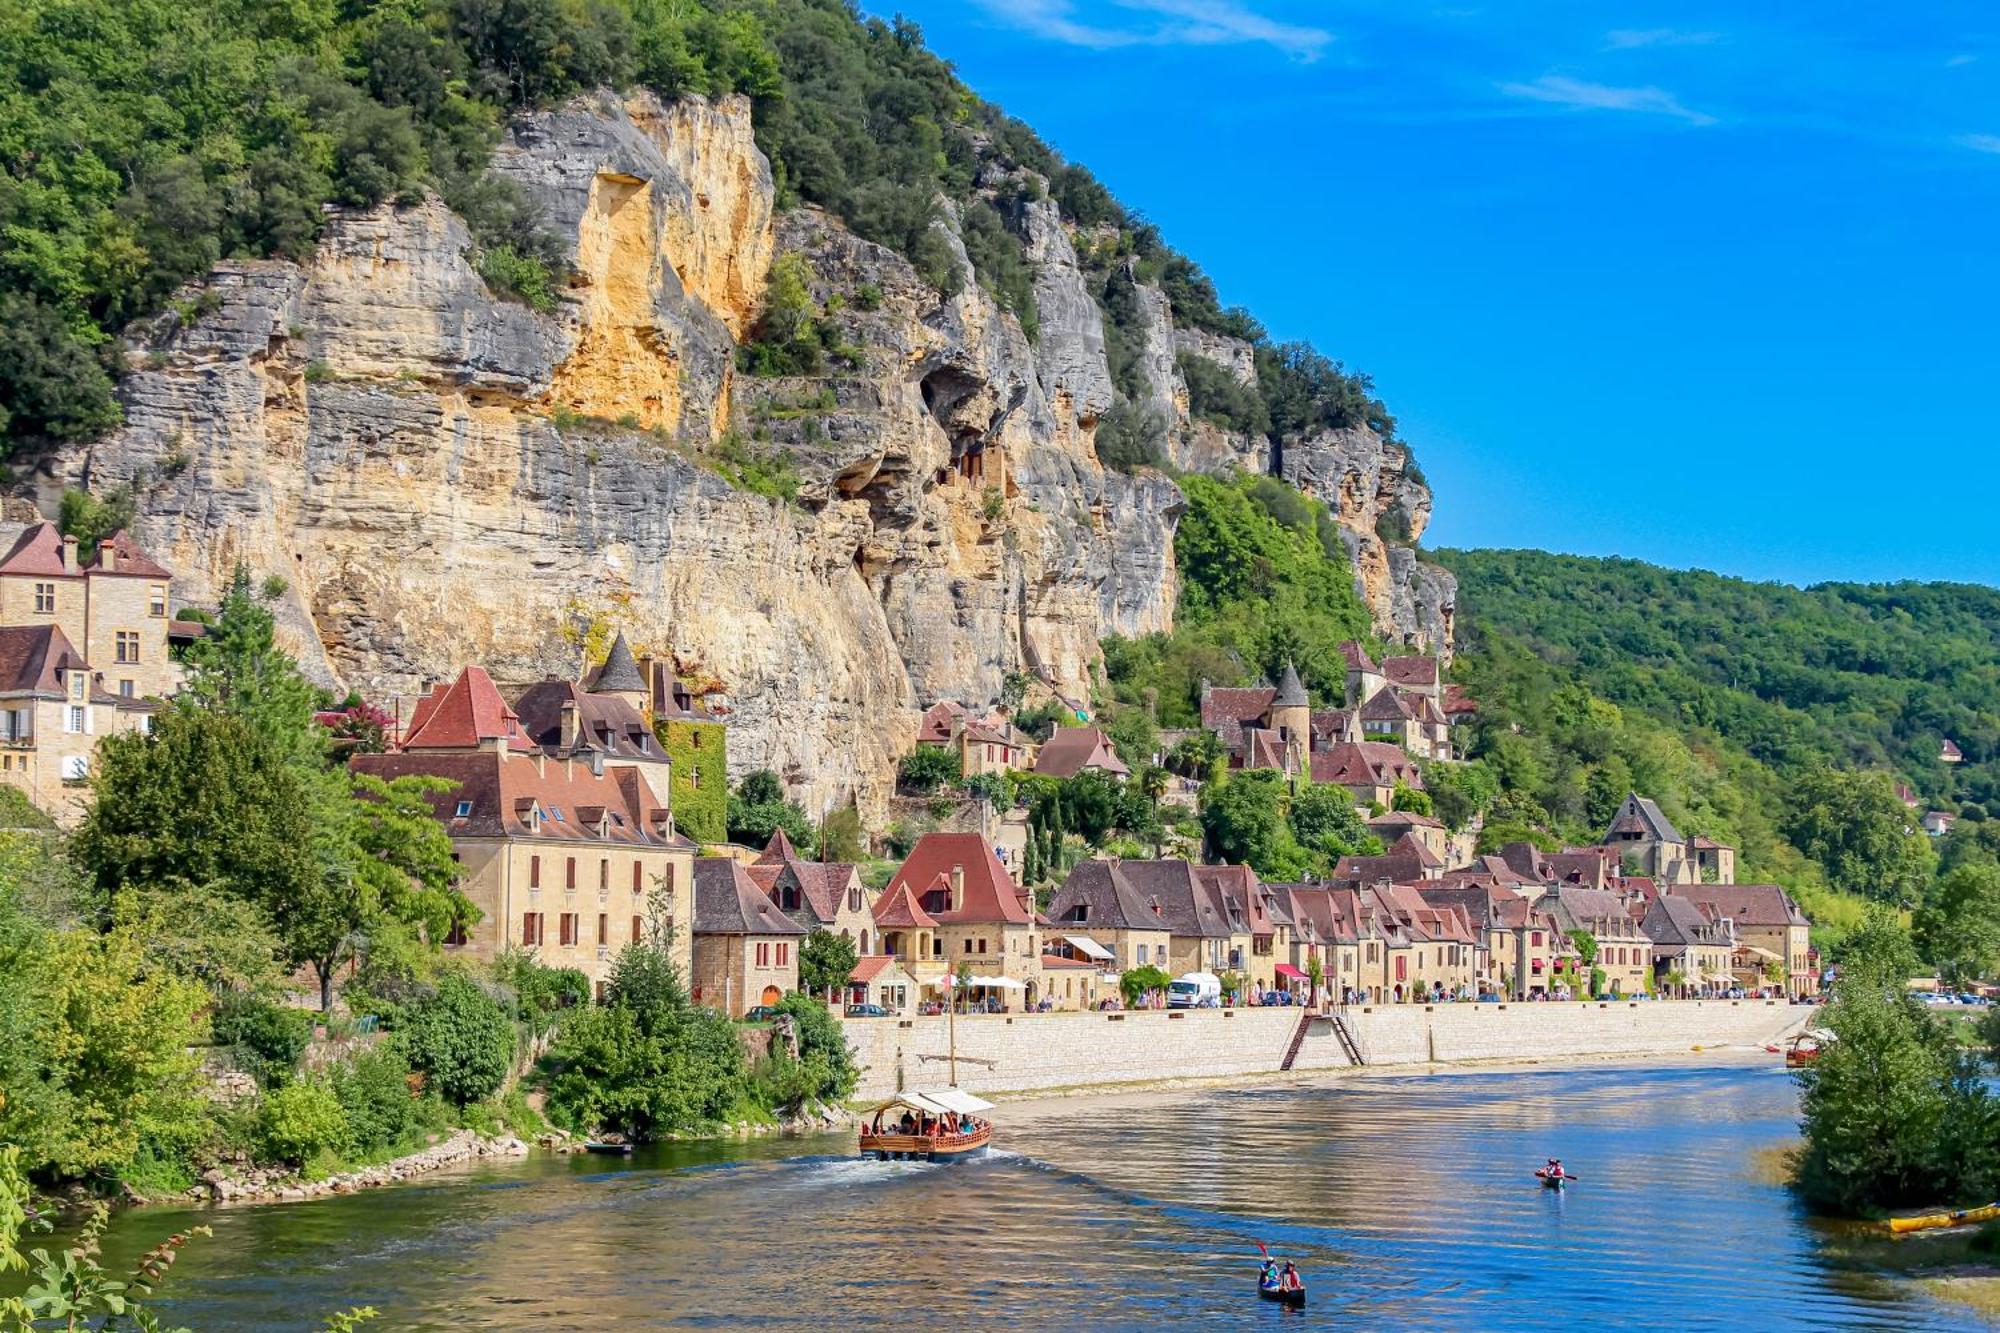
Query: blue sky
1699	283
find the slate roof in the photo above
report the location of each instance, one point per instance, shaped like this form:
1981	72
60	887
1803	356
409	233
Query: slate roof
1672	923
1357	657
604	721
727	901
1185	904
620	671
1640	817
820	884
1291	690
1108	897
1387	705
1240	895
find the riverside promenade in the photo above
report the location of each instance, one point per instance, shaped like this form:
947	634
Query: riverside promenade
1032	1052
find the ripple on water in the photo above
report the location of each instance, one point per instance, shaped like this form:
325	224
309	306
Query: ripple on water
1407	1201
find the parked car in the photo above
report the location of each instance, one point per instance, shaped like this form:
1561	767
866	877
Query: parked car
762	1013
867	1011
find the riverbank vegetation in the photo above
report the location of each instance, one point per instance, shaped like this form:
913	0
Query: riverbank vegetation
148	1030
1895	1112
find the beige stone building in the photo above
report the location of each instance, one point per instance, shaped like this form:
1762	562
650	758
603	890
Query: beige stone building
978	919
114	608
1099	903
53	711
569	855
1624	951
746	951
1764	917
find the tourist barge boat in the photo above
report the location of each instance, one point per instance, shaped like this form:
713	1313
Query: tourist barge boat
939	1126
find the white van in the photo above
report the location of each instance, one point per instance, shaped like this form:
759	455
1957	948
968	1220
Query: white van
1195	990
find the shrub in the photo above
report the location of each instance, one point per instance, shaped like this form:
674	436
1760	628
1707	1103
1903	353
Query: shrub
269	1038
459	1039
300	1121
927	768
1215	395
374	1095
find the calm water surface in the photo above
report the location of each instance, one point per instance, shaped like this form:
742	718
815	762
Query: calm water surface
1408	1201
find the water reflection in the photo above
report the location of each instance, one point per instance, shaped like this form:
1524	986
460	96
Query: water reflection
1408	1201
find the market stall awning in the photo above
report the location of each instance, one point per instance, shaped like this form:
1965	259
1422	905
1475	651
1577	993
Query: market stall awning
1088	947
1287	970
994	983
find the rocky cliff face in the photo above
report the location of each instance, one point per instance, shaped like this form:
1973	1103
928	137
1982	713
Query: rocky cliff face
445	477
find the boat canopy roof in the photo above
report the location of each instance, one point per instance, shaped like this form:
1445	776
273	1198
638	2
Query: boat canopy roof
943	1101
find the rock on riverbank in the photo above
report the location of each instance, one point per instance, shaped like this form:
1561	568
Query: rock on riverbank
278	1184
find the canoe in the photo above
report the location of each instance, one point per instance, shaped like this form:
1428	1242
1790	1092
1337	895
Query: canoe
1550	1182
1963	1217
1295	1300
610	1149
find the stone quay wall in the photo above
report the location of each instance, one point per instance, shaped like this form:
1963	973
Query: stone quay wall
1034	1052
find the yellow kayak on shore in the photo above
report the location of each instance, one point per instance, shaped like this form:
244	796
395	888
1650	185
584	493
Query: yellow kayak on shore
1962	1217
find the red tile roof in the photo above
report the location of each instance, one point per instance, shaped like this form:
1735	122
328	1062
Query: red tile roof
1072	749
898	907
38	550
1357	657
1052	961
1219	706
1386	706
1366	763
1416	671
464	714
939	722
1457	702
868	968
1746	904
30	657
128	559
989	896
501	792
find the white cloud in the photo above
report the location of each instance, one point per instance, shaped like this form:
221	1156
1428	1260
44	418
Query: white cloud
1980	143
1562	91
1963	58
1628	39
1167	23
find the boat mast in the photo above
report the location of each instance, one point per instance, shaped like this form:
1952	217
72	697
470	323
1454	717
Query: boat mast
951	1028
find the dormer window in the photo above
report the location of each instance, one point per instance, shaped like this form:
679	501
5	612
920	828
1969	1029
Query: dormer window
464	809
555	813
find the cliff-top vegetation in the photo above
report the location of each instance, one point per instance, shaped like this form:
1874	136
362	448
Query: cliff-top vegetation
144	140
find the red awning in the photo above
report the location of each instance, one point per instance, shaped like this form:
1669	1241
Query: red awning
1287	970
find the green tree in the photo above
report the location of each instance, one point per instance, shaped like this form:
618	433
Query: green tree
459	1039
1460	791
1860	833
237	669
826	961
758	809
1138	982
1243	820
1323	818
1409	799
91	520
1958	926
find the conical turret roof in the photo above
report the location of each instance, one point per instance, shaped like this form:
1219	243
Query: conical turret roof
620	672
1291	691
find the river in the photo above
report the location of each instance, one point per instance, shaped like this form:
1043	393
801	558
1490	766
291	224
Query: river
1406	1199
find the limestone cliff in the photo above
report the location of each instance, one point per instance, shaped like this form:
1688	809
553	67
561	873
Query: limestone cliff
443	476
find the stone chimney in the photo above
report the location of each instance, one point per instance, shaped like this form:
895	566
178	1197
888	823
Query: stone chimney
69	552
571	723
107	556
957	888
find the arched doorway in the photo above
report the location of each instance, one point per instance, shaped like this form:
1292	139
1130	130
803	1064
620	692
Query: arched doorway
772	995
